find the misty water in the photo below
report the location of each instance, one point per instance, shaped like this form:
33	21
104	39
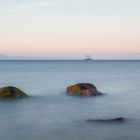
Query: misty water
50	114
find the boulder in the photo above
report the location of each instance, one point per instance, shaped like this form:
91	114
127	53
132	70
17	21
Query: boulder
10	92
83	89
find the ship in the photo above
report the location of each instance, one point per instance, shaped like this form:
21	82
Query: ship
88	58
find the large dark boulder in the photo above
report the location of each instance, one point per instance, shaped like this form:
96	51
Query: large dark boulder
83	89
11	92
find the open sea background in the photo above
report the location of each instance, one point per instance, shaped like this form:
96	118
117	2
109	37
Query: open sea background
51	114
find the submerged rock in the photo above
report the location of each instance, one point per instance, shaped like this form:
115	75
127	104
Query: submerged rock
83	89
119	119
11	92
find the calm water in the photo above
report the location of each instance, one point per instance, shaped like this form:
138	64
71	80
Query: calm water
50	114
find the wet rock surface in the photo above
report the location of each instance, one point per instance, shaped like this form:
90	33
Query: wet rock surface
11	92
83	89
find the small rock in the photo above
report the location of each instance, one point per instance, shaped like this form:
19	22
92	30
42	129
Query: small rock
119	119
11	92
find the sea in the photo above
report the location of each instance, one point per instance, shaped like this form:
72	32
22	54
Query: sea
50	114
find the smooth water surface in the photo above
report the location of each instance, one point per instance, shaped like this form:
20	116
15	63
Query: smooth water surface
50	114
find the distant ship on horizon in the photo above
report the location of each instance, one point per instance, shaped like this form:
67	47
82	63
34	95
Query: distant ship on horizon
88	58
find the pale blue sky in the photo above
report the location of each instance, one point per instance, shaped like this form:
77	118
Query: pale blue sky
70	28
107	7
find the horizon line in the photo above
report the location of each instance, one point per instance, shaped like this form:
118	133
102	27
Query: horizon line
69	60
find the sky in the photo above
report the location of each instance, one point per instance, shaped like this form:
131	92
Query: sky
70	29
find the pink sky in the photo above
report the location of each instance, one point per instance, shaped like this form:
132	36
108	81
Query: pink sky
55	30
